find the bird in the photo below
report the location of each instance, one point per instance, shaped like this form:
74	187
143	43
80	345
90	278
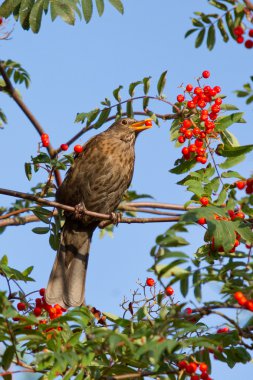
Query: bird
96	181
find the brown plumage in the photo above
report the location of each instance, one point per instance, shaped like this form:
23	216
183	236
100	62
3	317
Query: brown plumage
98	178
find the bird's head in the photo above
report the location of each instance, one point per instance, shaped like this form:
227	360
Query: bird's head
130	128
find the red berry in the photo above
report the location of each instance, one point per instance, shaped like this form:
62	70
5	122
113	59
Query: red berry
190	104
191	367
251	32
169	291
204	376
240	215
182	129
189	87
199	143
42	292
188	310
218	101
195	377
188	134
204	201
196	131
44	136
198	90
78	148
201	151
240	40
185	150
213	116
1	20
248	44
38	302
45	143
203	367
187	123
181	139
21	306
206	74
215	108
64	146
192	148
223	330
238	30
182	364
202	104
148	123
37	311
150	281
217	89
202	221
180	98
249	305
240	184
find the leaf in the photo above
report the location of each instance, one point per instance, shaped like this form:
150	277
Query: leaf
189	32
146	84
200	38
232	174
217	4
225	121
103	117
129	109
87	7
132	87
161	83
41	230
28	170
116	93
249	100
100	7
183	167
184	284
232	161
62	9
222	30
235	151
36	16
196	22
7	357
24	11
211	37
196	279
117	4
241	94
7	7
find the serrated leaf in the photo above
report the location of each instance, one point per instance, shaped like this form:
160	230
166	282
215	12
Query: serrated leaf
211	37
36	16
118	5
161	83
200	38
100	6
87	7
28	170
225	121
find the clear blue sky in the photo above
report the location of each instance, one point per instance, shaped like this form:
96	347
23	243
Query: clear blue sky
72	70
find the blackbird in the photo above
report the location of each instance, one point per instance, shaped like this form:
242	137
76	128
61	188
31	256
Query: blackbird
97	180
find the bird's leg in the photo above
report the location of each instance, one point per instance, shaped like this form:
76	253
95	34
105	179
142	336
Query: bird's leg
116	217
79	212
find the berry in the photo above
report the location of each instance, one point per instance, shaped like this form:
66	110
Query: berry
191	367
181	139
213	116
169	291
45	143
215	108
180	98
199	143
201	151
249	305
204	201
238	31
37	311
195	377
251	32
44	136
1	20
196	131
206	74
198	91
78	148
240	40
182	364
187	123
202	221
189	87
150	281
203	367
204	376
240	215
190	104
188	310
185	151
223	330
202	104
21	306
64	146
248	44
42	292
38	302
218	101
217	89
192	148
188	134
148	123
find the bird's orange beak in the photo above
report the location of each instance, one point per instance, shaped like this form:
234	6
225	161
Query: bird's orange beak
142	125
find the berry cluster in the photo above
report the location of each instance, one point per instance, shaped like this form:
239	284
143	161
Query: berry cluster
239	32
248	185
45	142
41	308
45	139
191	368
243	301
205	105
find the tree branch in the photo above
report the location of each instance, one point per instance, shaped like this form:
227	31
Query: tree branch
248	4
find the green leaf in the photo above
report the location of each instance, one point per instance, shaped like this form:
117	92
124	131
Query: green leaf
232	174
7	7
146	84
28	170
129	109
63	9
232	161
228	107
7	357
183	167
217	4
197	284
241	94
230	24
222	30
36	16
100	6
103	117
184	284
116	93
197	23
225	121
161	83
132	87
24	12
87	7
41	230
118	5
200	38
249	100
235	151
189	32
211	37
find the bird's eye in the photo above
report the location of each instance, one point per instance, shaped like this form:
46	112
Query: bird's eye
124	122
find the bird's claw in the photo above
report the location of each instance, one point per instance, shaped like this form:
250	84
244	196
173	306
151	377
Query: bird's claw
116	217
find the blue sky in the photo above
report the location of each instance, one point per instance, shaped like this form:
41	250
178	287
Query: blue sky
72	70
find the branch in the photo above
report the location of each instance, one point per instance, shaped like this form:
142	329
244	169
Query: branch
97	215
14	94
248	4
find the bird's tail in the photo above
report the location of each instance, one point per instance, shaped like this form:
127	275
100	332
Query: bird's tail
66	284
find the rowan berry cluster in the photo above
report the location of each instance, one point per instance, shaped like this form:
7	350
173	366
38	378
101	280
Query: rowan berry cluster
206	105
248	185
42	308
191	368
239	33
243	300
45	143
